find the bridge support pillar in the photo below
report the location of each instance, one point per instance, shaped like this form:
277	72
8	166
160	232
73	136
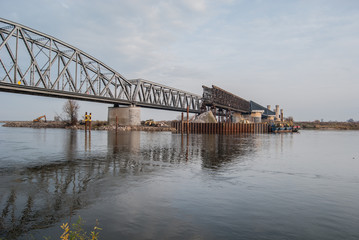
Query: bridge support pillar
257	115
277	113
129	116
271	118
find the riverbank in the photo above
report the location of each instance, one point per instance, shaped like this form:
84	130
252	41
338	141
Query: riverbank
102	125
95	125
328	125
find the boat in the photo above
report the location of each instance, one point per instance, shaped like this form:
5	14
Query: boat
284	129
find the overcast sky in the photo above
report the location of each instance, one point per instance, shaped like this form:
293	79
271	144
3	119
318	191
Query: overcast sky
302	55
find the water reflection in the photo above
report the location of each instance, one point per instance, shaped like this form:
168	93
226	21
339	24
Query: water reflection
71	144
35	197
87	141
217	150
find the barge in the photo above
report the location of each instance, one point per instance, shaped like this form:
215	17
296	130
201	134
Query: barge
284	129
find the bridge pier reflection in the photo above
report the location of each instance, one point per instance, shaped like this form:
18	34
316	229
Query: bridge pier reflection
126	141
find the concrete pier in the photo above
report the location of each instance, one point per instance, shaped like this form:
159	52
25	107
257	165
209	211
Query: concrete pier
257	115
270	118
129	116
277	113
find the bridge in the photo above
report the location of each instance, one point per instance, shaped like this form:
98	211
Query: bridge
32	62
35	63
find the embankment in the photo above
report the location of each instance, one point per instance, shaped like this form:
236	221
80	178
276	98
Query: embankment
329	125
96	125
31	124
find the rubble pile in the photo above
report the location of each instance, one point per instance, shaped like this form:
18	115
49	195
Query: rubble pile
206	117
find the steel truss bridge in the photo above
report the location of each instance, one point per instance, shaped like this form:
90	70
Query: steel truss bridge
35	63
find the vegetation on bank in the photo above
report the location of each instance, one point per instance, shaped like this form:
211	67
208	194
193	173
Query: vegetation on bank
77	232
317	125
71	110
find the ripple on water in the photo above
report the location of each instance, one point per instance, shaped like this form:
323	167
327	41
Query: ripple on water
162	185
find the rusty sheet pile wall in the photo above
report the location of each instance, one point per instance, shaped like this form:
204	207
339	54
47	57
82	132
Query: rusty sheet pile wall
219	128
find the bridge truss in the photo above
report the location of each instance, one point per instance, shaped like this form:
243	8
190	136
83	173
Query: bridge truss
32	62
149	94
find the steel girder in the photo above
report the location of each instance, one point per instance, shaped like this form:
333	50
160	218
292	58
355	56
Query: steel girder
32	62
150	94
35	63
221	99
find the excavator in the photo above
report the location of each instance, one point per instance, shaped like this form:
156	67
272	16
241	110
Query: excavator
39	118
150	122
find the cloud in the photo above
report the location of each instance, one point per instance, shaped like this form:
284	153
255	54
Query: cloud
253	48
198	6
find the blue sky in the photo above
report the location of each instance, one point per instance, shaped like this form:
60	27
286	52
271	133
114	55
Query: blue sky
302	55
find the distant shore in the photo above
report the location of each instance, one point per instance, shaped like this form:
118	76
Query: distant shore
328	125
102	125
95	125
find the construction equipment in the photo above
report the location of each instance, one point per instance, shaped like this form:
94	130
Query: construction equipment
39	118
150	122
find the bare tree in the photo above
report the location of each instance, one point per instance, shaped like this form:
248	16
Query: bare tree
71	109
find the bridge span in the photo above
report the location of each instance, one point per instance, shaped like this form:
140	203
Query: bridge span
35	63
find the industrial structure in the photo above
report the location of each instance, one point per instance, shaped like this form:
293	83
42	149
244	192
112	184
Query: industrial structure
35	63
231	108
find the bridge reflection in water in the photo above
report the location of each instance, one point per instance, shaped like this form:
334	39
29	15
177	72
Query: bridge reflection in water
40	196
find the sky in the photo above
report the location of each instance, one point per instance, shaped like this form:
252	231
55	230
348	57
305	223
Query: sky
300	54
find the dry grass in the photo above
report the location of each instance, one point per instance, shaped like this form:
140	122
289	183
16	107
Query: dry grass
329	125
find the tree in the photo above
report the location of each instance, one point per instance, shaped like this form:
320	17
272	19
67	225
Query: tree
351	120
71	109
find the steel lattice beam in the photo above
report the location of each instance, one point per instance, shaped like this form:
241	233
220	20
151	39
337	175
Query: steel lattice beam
154	95
32	62
219	98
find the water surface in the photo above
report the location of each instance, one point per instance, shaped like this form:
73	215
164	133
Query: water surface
148	185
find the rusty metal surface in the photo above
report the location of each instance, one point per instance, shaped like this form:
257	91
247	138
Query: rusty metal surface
220	98
219	128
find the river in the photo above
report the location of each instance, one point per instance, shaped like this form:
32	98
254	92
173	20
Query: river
160	185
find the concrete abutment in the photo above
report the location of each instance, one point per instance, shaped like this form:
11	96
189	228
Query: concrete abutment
128	116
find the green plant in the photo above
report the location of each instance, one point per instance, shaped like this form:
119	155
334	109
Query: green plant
77	231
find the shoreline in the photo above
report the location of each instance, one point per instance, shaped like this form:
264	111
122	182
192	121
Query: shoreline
328	125
102	125
96	125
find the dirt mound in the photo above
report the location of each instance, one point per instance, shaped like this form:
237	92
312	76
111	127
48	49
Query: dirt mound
206	117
